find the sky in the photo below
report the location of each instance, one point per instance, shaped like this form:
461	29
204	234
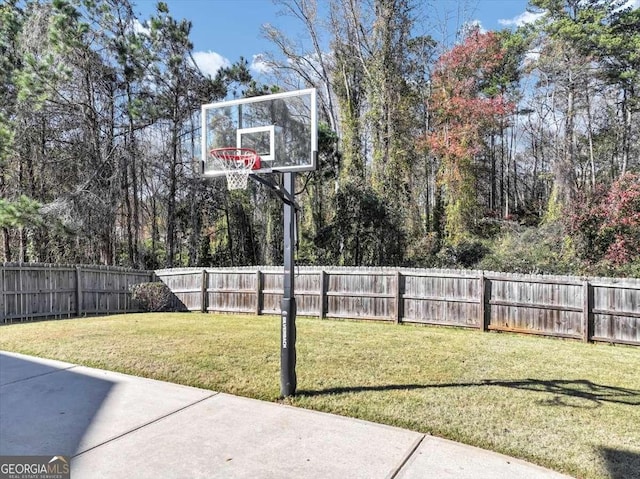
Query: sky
225	30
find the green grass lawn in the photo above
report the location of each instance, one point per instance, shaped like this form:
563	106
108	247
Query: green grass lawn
566	405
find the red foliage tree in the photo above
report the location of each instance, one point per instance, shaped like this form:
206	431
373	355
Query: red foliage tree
462	111
609	223
621	214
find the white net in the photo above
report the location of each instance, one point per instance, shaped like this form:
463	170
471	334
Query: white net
236	163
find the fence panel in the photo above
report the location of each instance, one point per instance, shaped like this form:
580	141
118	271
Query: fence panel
231	291
3	307
272	290
537	304
361	295
616	310
105	290
308	293
35	291
443	298
186	285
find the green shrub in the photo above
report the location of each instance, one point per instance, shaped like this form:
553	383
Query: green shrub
155	296
421	252
465	254
545	249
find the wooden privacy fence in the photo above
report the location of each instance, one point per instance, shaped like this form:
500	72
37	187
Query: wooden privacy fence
38	291
588	309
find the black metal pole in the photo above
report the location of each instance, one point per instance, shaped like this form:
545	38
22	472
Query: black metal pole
288	379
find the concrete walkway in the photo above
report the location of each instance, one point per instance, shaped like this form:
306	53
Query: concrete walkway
114	426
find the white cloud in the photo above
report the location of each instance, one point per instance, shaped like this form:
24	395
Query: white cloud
259	66
139	27
522	19
210	62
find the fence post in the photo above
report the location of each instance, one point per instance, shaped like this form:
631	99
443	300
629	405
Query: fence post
78	291
2	293
482	313
587	300
398	316
203	291
485	301
258	293
323	292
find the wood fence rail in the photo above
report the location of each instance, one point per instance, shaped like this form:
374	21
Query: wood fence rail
37	291
587	309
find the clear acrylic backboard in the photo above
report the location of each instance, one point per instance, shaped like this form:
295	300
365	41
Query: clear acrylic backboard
282	129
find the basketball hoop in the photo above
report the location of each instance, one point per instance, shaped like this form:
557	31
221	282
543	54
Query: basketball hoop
237	164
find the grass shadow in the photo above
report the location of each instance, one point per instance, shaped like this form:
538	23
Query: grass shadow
595	393
621	464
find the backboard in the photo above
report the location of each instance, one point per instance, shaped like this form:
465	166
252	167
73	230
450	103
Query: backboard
281	128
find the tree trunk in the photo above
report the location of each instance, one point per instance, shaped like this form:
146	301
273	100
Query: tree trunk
503	195
6	241
626	134
124	187
564	167
155	234
592	162
196	225
229	232
173	180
